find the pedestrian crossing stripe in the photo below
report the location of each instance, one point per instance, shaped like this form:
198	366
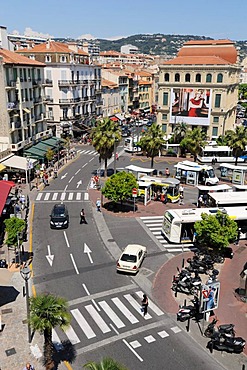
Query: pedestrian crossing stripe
154	224
87	152
62	196
112	312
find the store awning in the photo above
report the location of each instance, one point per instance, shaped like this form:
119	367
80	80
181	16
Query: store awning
2	167
5	187
120	117
134	168
17	162
115	119
33	152
42	146
51	142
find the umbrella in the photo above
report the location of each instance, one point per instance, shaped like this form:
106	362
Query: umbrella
8	294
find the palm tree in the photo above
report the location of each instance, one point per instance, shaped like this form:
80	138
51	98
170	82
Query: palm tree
179	132
221	140
106	363
193	141
104	138
46	312
237	141
152	141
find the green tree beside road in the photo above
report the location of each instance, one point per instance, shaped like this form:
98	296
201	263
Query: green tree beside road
14	226
104	138
105	364
193	141
237	141
152	141
119	186
47	312
215	232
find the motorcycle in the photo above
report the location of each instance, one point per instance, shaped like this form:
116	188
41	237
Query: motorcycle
230	345
212	277
187	312
226	330
185	283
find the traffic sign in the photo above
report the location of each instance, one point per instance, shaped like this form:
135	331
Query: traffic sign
134	192
205	293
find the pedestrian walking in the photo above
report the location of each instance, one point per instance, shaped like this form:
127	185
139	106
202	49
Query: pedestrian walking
144	305
28	366
82	217
181	199
167	172
200	201
98	205
116	156
181	190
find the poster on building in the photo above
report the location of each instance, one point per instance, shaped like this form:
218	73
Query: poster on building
190	105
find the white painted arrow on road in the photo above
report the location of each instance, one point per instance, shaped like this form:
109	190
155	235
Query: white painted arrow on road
87	250
63	177
50	257
78	184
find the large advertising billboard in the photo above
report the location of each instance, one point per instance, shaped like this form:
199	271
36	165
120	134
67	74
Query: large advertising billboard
190	105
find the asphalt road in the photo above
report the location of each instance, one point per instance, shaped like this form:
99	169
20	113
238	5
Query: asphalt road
105	306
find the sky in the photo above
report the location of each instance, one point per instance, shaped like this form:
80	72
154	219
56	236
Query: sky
111	19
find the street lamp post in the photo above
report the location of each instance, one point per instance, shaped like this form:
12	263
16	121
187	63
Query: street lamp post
114	153
26	274
58	143
28	172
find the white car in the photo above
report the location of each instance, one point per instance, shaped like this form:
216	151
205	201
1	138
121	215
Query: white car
131	258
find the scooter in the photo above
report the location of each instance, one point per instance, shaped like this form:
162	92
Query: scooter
187	312
230	345
226	330
187	285
213	277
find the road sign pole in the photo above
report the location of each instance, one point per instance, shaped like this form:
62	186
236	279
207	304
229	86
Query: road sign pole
134	204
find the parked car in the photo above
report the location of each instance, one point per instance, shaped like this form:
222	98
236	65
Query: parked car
125	131
131	258
59	217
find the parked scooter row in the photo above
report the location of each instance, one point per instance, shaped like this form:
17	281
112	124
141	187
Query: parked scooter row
186	283
191	311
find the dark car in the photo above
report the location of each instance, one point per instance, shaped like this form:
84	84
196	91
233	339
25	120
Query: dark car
59	217
125	131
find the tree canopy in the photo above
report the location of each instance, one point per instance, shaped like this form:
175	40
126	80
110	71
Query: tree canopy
215	231
104	137
14	225
46	312
119	186
152	141
237	141
106	363
193	141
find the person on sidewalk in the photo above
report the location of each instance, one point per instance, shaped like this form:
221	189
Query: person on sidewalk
98	205
167	172
144	305
83	218
28	366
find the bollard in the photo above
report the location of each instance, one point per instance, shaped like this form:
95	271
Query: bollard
185	302
182	263
188	325
243	367
176	292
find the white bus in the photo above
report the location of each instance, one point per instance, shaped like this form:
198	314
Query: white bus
227	199
130	144
178	224
192	173
219	153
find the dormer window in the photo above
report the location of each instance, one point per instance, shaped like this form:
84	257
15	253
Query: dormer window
48	58
32	57
63	59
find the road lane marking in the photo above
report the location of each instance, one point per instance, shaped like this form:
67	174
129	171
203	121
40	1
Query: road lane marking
124	310
65	188
135	344
66	239
71	179
91	160
111	314
136	305
150	339
78	196
87	151
176	329
87	330
73	261
72	335
70	197
86	196
163	334
152	305
132	350
54	197
39	196
93	301
63	195
78	171
47	196
98	319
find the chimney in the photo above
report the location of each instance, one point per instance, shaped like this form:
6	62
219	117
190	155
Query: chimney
48	44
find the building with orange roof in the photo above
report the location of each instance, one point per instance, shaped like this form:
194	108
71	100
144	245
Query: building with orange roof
22	114
110	97
119	77
200	87
72	86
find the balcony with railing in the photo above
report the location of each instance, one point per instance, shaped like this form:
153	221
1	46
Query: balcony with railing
15	125
65	101
48	82
12	105
66	82
11	84
99	103
47	99
37	100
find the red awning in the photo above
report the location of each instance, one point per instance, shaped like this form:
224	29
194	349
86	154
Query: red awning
5	187
115	119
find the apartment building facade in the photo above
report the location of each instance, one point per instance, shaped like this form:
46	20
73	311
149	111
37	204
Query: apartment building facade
110	97
200	87
72	85
22	120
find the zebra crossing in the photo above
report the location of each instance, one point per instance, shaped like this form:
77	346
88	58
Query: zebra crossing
92	321
154	224
87	152
62	196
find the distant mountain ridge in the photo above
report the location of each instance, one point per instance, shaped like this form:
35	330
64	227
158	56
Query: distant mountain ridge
156	44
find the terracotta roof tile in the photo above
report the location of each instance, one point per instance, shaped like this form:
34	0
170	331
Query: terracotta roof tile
196	60
110	53
142	82
108	83
52	47
11	57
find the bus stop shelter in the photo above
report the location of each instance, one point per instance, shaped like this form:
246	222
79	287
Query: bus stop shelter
234	174
139	171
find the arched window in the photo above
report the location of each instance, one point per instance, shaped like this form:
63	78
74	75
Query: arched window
167	77
177	77
209	77
187	77
198	77
220	77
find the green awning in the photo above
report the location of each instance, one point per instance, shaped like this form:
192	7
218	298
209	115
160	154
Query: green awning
51	142
34	152
42	146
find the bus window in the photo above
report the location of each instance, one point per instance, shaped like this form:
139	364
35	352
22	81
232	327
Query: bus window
187	233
